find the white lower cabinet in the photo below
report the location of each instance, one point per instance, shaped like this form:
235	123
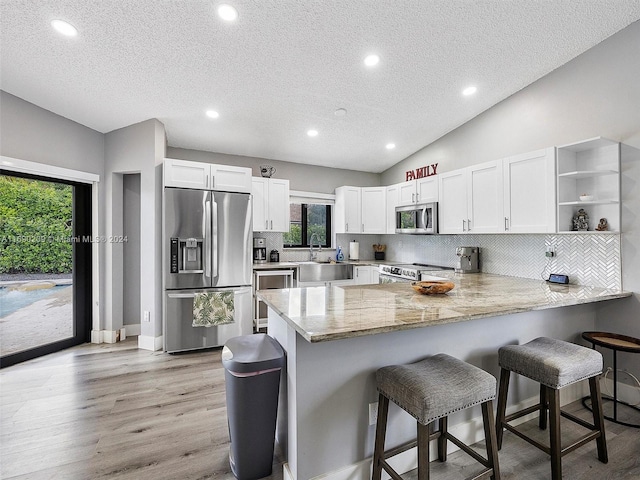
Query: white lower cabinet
365	274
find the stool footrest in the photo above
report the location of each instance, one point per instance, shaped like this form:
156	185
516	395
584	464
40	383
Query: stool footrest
522	413
469	451
595	433
533	442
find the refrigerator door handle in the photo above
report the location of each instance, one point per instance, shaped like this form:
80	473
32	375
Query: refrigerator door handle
214	238
207	234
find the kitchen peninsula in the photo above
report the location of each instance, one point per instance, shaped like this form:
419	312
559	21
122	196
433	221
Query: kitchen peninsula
336	338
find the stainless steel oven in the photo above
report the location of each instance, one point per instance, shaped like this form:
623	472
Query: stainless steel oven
406	272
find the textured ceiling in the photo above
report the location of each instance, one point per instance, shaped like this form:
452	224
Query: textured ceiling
285	66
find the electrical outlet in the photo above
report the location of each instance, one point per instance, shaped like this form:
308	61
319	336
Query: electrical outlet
147	316
373	413
550	252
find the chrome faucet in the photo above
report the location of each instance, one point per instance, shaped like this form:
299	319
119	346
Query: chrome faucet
314	253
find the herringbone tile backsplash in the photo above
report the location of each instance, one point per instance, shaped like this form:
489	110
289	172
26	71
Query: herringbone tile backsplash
589	259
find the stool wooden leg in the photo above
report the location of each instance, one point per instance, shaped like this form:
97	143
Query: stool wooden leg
490	439
553	395
598	418
542	421
423	451
502	405
442	440
381	431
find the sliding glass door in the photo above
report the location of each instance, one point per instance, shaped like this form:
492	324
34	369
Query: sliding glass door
45	266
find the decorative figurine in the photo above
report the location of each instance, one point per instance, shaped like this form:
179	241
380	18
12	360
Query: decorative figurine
581	221
602	226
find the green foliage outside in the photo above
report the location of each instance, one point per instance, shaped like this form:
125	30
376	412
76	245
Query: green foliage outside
316	223
35	226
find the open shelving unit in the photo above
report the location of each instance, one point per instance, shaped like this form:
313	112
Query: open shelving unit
590	167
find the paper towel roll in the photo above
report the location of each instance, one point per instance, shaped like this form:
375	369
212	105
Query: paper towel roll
354	251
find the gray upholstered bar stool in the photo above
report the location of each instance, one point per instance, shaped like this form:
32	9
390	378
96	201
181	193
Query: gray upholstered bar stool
554	364
430	390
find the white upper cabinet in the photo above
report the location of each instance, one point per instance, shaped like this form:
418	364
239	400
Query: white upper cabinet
270	204
529	192
452	208
348	215
360	210
227	178
186	174
374	207
206	176
591	170
393	200
485	198
422	190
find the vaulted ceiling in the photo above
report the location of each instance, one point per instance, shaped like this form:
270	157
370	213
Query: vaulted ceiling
285	67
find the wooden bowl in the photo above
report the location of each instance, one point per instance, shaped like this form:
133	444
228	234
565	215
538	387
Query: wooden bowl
432	287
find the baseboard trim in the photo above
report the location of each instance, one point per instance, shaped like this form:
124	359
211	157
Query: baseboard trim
133	330
468	432
108	336
150	343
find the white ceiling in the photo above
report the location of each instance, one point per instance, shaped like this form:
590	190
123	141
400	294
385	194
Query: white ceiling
285	66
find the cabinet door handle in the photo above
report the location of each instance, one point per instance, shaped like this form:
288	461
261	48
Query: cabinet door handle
271	224
266	224
468	225
363	227
413	198
463	229
417	197
346	227
506	223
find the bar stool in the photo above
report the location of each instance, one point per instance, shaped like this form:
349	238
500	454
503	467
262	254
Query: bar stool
430	390
554	364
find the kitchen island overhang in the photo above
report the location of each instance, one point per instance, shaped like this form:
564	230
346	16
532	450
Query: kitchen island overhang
337	337
331	313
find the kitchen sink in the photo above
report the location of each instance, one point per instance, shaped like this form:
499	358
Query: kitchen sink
324	272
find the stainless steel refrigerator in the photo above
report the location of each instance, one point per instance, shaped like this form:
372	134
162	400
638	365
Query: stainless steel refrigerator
206	248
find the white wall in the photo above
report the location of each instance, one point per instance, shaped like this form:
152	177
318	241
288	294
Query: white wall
596	94
131	252
308	178
138	148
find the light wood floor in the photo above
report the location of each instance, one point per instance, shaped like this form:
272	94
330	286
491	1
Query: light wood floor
116	412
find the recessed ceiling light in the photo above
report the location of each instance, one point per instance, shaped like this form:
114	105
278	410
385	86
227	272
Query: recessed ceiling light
212	114
312	133
469	91
340	112
371	60
64	28
227	12
390	146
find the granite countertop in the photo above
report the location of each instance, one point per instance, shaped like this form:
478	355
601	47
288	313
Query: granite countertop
331	313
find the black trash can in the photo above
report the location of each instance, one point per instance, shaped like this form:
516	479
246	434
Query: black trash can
252	376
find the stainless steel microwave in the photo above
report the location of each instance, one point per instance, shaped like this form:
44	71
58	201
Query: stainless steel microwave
417	219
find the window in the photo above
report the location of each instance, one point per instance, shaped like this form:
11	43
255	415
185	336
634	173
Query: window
308	219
